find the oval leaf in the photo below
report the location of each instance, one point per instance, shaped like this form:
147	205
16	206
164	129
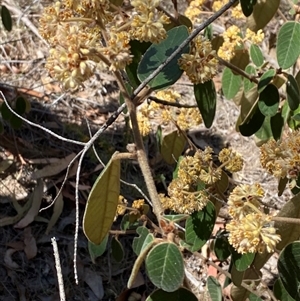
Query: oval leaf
96	251
248	85
265	79
6	18
242	261
289	269
102	203
288	232
172	146
268	101
292	91
206	98
256	55
117	250
231	83
222	248
165	268
263	12
199	226
280	292
141	242
214	289
137	49
156	54
288	48
252	124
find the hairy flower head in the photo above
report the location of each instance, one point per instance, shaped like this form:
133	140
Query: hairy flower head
245	199
253	233
282	158
232	161
200	64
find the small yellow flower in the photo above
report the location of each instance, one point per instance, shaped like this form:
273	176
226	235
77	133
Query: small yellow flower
121	208
148	25
193	11
138	204
255	38
282	158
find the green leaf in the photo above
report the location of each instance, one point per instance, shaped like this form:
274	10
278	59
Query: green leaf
231	83
15	122
141	242
263	12
268	101
117	250
242	261
206	98
256	55
289	269
292	91
222	247
137	49
247	6
240	59
280	292
288	48
265	132
5	112
102	203
165	268
248	85
277	124
96	251
253	297
287	231
21	105
252	124
156	54
214	289
208	32
6	18
178	295
172	146
265	79
199	226
236	276
176	218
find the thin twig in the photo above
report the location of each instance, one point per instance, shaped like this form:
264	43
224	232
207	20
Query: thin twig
58	271
39	126
171	104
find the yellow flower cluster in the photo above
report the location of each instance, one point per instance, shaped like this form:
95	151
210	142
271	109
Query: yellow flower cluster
74	30
250	230
185	118
87	35
200	65
121	208
148	24
282	158
232	161
193	171
236	11
233	39
193	11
